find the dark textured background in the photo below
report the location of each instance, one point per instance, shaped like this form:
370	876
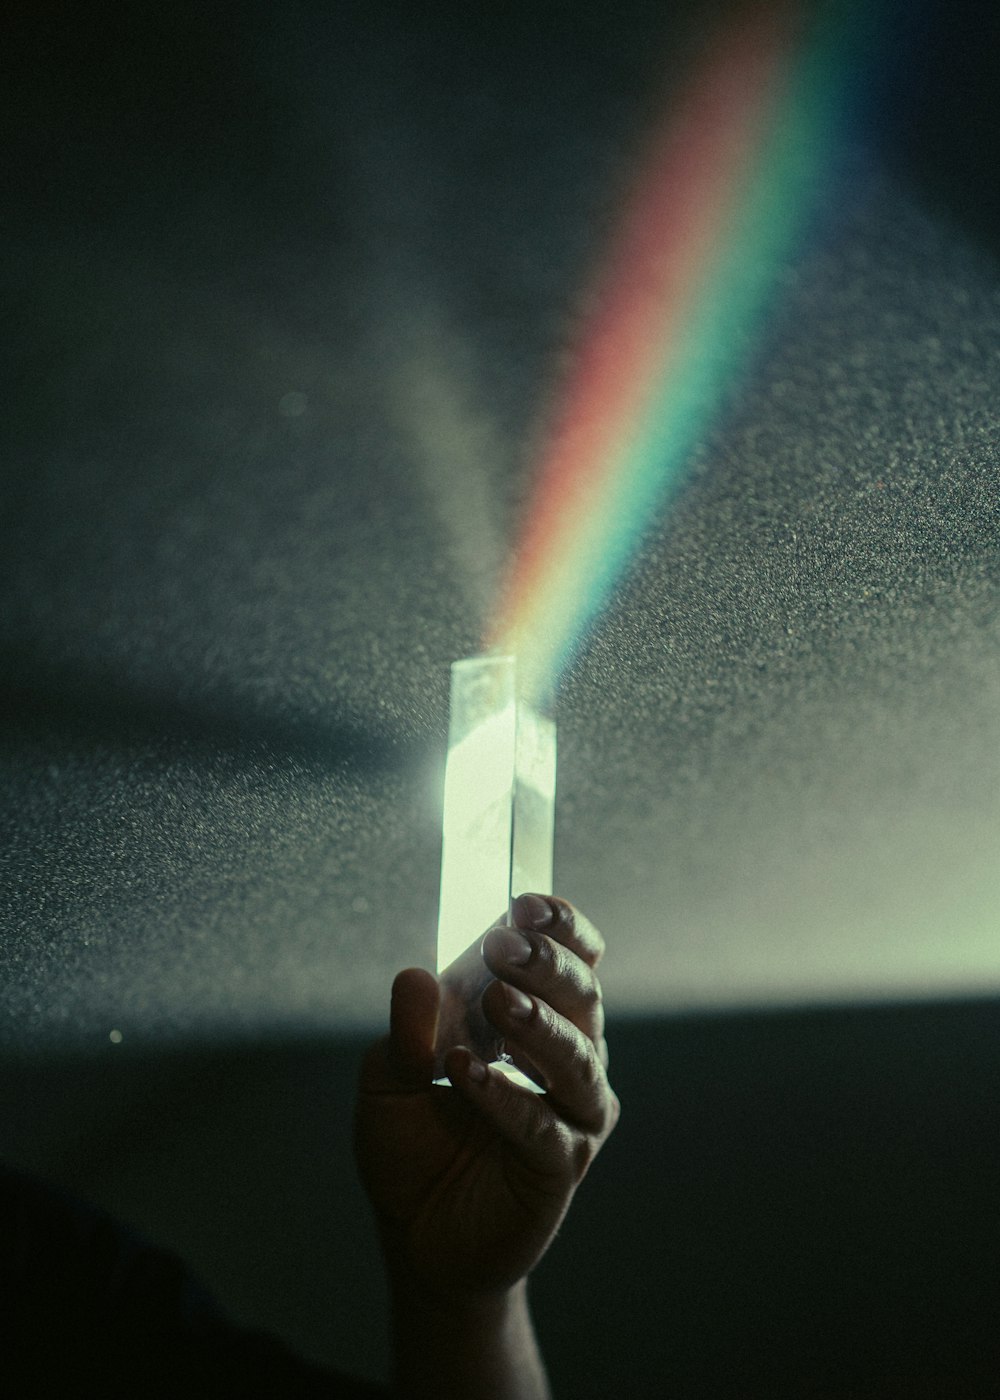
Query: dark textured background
286	291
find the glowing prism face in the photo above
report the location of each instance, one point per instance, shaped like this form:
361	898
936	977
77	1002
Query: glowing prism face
534	803
479	790
499	802
497	836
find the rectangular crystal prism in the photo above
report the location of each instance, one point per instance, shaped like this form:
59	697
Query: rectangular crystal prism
497	832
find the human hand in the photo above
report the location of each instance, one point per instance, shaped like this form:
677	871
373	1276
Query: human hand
470	1184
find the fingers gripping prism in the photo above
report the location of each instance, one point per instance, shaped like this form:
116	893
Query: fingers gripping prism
497	836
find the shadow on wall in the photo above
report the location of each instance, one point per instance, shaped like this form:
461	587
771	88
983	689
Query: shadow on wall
795	1204
68	706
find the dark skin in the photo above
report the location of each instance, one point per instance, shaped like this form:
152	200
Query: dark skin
469	1184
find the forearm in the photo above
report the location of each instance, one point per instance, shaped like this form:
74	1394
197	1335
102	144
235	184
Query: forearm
444	1350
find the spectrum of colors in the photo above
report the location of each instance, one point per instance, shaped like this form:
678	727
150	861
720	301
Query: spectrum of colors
730	186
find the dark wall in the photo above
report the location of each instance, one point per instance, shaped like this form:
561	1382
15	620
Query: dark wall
795	1204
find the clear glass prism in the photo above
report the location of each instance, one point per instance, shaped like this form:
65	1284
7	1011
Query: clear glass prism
497	837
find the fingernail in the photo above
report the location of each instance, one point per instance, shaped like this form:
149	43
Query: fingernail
518	1004
476	1071
531	911
512	946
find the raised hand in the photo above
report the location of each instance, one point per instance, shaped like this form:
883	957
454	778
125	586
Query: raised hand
470	1184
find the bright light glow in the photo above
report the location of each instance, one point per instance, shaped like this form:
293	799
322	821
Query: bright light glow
497	833
499	802
478	802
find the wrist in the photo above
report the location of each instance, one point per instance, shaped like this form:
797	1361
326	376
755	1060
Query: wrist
409	1292
451	1345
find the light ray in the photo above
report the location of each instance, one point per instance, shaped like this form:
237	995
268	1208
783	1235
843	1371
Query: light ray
730	184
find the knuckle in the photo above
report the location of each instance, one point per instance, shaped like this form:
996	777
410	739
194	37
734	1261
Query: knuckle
585	1065
543	1134
599	1027
561	965
576	931
539	1127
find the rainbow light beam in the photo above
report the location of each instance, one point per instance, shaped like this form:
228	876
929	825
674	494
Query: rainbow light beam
729	188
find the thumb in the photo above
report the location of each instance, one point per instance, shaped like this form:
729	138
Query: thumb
404	1059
